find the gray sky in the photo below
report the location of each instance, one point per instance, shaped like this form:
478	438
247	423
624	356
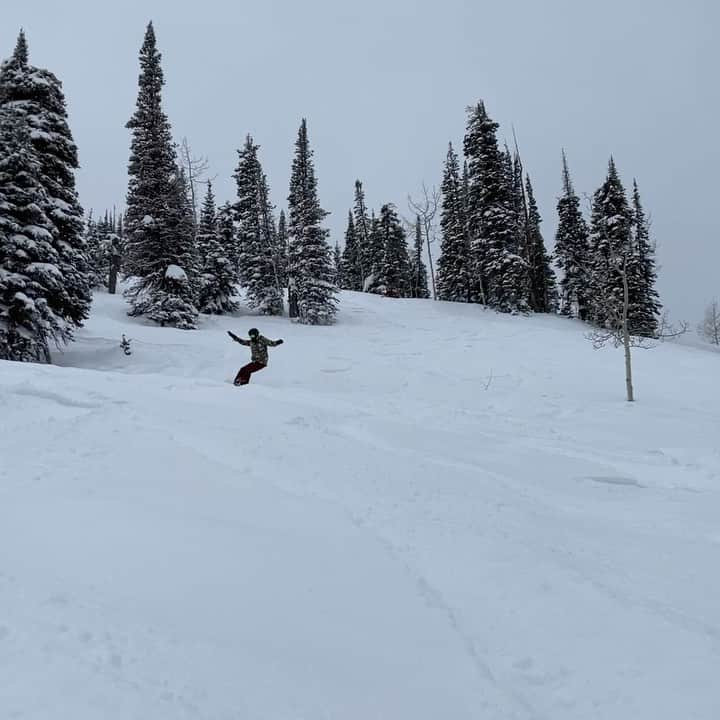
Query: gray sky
384	85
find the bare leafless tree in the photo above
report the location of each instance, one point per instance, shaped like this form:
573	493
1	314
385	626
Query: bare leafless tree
196	168
426	208
616	328
710	327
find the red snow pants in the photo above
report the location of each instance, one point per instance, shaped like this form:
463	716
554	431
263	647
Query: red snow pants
243	376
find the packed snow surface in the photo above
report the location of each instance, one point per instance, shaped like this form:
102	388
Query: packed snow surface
426	512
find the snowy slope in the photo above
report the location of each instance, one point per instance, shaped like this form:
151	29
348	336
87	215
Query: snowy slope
427	511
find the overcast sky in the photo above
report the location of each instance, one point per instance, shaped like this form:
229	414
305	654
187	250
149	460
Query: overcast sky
384	85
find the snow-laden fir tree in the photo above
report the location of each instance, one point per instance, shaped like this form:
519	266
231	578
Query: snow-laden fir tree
418	272
175	302
259	274
159	225
36	95
500	274
282	249
543	287
369	253
572	251
218	276
32	285
516	190
395	274
228	235
337	264
644	299
102	240
93	251
375	255
611	252
350	270
310	259
207	230
512	170
454	265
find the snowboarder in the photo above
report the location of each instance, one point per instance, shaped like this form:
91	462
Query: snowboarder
258	345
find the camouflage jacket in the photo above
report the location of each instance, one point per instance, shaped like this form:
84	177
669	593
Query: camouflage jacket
258	348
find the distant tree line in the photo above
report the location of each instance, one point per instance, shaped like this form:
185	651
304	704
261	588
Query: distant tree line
492	249
179	267
181	257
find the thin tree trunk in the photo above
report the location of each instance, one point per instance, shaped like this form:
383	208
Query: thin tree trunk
430	258
626	335
112	279
529	254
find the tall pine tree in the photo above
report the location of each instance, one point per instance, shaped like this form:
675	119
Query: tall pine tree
32	292
228	235
310	260
394	275
611	253
500	273
219	274
454	265
370	251
644	298
160	251
418	272
572	251
337	264
35	99
259	273
282	249
543	288
350	271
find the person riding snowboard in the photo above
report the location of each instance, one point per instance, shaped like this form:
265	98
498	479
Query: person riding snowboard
258	345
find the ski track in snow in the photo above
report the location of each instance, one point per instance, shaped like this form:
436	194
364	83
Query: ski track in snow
426	511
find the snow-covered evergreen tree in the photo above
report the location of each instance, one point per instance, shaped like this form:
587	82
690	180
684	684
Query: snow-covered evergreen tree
102	241
160	251
93	251
500	273
228	235
418	271
282	249
610	243
369	252
257	234
395	274
207	230
36	97
219	274
337	264
32	284
644	298
454	265
310	260
572	251
375	255
543	286
350	271
516	190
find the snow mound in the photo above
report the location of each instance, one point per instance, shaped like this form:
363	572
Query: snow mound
175	272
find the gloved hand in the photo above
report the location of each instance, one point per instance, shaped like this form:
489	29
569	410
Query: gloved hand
232	335
280	342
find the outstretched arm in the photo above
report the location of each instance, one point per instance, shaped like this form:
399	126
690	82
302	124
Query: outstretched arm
274	343
238	339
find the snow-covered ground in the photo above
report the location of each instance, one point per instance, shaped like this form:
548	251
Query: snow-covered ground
426	512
